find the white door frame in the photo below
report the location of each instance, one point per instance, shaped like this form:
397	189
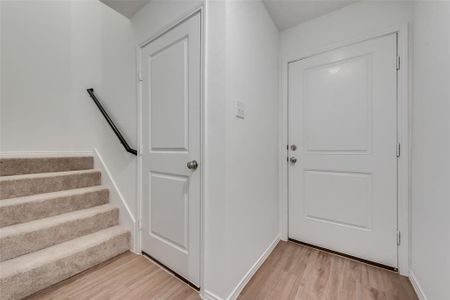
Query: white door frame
403	135
199	10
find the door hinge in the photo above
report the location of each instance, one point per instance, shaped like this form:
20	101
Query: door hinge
398	238
140	225
398	150
398	63
140	76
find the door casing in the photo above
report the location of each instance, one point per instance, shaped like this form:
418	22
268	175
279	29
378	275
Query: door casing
137	232
403	135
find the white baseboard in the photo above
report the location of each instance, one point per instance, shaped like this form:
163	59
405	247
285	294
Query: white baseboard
238	289
416	285
210	296
126	218
243	282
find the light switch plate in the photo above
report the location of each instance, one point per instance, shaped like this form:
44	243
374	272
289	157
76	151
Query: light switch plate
240	110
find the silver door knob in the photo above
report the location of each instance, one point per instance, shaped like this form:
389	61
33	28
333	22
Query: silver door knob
192	165
293	160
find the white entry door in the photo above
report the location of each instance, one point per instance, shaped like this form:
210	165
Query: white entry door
171	97
342	122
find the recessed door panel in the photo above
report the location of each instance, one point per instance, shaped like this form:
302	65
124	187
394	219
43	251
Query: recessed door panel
169	209
345	202
337	104
342	118
169	97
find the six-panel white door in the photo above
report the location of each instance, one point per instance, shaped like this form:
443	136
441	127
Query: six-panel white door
342	118
171	83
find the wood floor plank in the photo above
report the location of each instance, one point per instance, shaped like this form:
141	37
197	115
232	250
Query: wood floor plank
300	272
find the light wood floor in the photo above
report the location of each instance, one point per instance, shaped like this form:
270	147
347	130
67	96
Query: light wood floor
128	276
292	271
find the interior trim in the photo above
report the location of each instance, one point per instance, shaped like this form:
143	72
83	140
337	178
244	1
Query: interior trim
417	287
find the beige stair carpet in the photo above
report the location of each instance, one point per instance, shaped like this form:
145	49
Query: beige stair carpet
55	221
29	208
31	165
30	184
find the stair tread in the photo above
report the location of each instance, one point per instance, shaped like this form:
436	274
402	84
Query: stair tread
38	156
54	220
15	165
51	195
35	259
48	174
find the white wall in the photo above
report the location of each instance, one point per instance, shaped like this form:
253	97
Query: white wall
242	65
252	152
52	51
431	149
215	260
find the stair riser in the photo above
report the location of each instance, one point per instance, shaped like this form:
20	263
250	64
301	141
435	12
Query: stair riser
30	186
32	165
19	244
29	211
23	284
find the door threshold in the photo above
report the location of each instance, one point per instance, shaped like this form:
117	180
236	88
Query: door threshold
369	262
166	268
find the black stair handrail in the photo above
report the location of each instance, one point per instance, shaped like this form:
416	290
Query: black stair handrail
111	123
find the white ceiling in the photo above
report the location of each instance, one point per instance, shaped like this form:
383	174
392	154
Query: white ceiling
126	7
287	13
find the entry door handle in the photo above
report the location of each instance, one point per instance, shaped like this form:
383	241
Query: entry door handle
192	165
293	160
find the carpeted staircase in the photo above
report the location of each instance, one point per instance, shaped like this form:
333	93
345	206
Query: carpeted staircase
55	221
